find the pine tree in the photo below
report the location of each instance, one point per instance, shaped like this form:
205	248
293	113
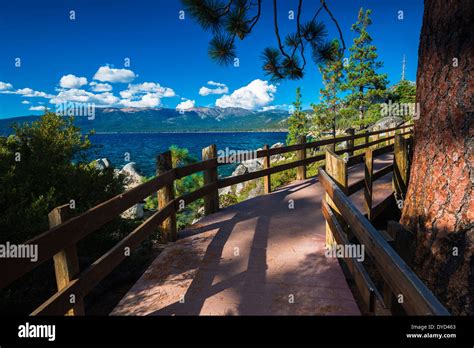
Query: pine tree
326	112
297	122
365	85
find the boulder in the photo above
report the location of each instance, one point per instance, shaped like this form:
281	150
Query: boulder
278	157
102	163
386	122
131	176
132	179
135	212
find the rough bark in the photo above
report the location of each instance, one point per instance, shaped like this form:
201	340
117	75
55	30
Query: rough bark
439	206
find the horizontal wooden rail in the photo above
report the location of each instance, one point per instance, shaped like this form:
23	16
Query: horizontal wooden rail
313	144
371	297
232	180
417	298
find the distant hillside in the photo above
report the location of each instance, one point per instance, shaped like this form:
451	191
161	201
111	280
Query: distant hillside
199	119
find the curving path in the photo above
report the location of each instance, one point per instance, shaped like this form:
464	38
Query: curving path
259	257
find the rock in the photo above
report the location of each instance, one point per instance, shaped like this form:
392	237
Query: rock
199	215
135	212
386	122
101	164
256	191
132	177
253	165
278	157
240	170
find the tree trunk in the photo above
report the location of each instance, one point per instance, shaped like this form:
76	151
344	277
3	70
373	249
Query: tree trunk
439	207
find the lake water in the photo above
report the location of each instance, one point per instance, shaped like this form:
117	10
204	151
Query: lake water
144	147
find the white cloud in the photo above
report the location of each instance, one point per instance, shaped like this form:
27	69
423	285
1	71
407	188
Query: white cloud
274	107
256	94
5	86
108	74
147	87
218	84
25	102
72	81
220	89
37	108
100	87
28	92
82	96
146	101
188	104
146	94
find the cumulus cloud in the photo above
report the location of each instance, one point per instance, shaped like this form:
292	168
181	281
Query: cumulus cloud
82	96
255	95
108	74
72	81
37	108
28	92
146	94
187	104
5	86
100	87
275	107
25	102
149	100
220	88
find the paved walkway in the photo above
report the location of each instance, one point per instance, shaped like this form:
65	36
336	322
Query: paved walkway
259	257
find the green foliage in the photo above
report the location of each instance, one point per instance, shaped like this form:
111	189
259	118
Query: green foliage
298	124
365	85
327	112
229	20
43	165
403	92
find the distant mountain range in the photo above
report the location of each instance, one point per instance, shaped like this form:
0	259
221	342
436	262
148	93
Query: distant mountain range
147	120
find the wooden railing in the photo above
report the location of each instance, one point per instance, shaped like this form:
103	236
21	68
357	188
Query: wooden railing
388	250
66	231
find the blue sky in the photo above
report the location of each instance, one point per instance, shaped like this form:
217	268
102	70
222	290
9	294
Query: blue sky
83	59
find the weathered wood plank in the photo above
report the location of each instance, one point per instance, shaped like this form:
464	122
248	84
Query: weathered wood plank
66	262
267	181
301	155
211	201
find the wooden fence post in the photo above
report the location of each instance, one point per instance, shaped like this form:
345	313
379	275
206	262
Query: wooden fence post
211	201
66	263
336	168
164	163
367	137
400	165
350	143
267	184
301	154
369	166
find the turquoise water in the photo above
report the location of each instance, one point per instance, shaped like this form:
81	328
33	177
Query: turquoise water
143	148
